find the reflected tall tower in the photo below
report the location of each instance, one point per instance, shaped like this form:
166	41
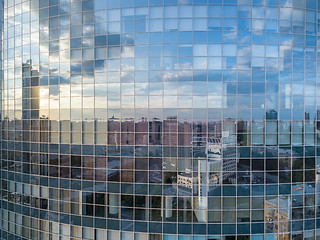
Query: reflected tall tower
30	91
160	120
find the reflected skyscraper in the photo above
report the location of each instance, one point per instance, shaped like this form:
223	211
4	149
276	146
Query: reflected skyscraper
30	91
160	120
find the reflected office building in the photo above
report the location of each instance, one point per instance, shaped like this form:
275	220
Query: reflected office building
160	120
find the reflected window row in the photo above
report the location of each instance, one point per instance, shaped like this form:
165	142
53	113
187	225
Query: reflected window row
181	11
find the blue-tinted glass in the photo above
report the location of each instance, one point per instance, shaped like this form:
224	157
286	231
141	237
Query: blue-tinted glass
159	119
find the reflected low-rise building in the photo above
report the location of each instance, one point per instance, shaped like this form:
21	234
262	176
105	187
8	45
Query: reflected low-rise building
160	120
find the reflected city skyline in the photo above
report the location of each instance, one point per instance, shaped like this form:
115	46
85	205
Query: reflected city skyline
160	120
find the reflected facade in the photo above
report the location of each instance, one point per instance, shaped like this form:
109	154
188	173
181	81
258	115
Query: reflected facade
160	120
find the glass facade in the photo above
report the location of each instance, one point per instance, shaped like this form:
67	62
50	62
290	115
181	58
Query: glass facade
160	120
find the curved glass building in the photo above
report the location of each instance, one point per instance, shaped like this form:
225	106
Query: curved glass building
160	120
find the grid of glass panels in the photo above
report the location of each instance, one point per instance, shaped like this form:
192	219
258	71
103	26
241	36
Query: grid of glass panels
160	119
